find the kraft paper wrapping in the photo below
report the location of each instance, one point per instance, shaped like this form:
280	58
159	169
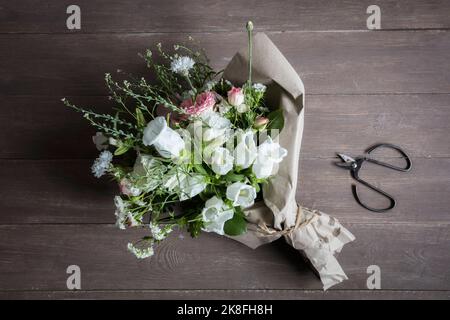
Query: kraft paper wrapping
316	234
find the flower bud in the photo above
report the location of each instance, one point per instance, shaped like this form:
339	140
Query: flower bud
260	123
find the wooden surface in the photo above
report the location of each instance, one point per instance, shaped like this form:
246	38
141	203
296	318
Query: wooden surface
362	86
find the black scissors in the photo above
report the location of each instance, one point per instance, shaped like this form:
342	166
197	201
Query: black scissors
354	165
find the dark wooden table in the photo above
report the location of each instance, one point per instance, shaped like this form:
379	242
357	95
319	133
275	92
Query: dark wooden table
363	87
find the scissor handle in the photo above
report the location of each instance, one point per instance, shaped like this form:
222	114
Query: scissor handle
388	165
355	194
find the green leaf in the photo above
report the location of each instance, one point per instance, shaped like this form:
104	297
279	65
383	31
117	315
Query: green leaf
199	168
140	118
234	177
124	147
236	225
276	120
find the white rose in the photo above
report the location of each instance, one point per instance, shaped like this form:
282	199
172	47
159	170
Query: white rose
269	154
166	141
241	194
246	150
215	214
187	185
221	161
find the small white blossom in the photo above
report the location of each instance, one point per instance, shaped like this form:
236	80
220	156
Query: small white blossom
141	253
100	141
124	218
158	233
259	87
215	214
223	107
242	108
182	65
209	85
102	163
241	194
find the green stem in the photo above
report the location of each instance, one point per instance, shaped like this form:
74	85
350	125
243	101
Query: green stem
250	51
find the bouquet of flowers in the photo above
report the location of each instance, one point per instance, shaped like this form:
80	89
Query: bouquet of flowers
203	150
191	150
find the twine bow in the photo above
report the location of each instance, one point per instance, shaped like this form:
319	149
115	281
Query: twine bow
298	223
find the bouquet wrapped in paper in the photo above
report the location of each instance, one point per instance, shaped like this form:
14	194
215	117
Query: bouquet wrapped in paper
214	152
316	234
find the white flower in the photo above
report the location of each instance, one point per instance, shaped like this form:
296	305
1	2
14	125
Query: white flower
242	108
224	107
166	141
241	194
147	172
100	141
214	120
209	85
269	154
102	163
141	253
259	87
215	214
215	126
221	161
127	188
112	141
188	185
182	65
246	150
124	218
158	233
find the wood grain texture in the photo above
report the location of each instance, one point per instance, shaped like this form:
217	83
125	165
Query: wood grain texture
216	16
362	87
328	62
60	191
229	294
419	123
411	257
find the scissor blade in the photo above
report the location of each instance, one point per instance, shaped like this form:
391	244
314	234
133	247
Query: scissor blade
345	158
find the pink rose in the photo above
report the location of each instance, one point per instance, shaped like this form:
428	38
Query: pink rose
236	97
204	102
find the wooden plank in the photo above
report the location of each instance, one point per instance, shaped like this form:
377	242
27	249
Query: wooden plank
196	16
40	127
229	294
66	192
410	256
328	62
